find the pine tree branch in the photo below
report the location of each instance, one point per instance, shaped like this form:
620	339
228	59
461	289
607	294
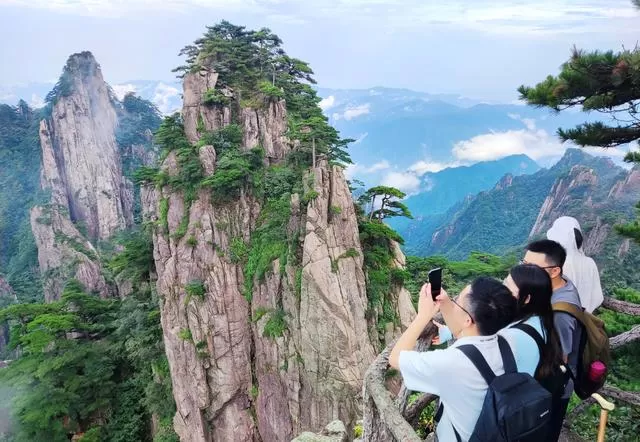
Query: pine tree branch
625	338
614	304
382	419
412	413
627	397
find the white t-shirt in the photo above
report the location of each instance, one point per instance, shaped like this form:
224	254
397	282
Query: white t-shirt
449	374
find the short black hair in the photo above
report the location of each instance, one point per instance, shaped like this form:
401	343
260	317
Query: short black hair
492	305
554	252
579	239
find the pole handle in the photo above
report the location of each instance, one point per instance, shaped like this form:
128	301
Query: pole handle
604	404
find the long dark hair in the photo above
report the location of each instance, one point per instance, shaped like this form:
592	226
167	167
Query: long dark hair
534	283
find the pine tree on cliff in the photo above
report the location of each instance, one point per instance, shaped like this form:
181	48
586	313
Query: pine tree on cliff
253	65
605	82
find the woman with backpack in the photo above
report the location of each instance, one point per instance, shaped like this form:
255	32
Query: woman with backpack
531	286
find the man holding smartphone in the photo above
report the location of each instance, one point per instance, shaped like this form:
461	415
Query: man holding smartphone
481	309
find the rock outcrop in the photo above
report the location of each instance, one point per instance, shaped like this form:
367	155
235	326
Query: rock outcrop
82	170
64	253
81	160
269	358
333	432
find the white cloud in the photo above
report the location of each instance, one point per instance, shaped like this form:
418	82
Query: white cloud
529	123
422	167
353	112
382	165
405	181
165	97
495	145
353	169
327	103
36	101
123	89
535	143
490	16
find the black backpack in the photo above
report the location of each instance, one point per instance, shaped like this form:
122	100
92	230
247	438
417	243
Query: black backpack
516	408
555	382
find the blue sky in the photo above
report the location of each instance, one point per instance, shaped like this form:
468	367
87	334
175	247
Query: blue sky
478	48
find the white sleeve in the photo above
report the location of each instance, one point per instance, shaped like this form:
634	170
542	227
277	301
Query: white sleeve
425	371
597	296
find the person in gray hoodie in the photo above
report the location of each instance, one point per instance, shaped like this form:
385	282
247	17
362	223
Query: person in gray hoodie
551	256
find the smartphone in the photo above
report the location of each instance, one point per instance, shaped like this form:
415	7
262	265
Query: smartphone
435	279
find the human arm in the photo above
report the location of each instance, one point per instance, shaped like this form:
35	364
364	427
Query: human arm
565	324
427	308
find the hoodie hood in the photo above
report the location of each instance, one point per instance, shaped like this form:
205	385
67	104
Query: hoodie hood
562	232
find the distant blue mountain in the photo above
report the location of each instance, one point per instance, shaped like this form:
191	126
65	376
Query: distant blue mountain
451	186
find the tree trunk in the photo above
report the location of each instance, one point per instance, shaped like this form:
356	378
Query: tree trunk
621	306
313	151
625	338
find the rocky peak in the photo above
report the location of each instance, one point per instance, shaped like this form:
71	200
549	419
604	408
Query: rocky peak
504	182
571	157
82	170
84	163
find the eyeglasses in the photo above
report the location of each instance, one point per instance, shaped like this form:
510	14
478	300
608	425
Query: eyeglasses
464	310
522	261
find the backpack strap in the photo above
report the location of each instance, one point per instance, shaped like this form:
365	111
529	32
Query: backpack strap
533	333
437	418
570	309
508	360
474	355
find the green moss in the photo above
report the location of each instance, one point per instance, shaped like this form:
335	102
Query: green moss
213	97
309	196
276	325
182	227
351	253
194	288
260	312
335	210
192	241
268	242
164	212
254	392
238	250
185	334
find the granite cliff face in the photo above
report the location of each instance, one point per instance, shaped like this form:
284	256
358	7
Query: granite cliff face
267	358
600	198
82	171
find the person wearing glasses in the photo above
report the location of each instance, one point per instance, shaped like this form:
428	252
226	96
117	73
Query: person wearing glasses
550	256
578	267
481	309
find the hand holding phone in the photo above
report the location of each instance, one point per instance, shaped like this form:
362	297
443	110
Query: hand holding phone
435	279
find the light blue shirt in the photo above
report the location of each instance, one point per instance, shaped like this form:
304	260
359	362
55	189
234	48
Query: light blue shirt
523	346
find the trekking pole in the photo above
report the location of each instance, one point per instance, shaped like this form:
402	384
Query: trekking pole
605	408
